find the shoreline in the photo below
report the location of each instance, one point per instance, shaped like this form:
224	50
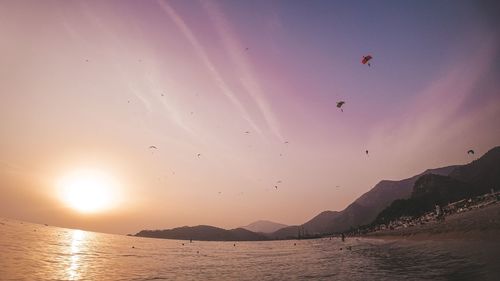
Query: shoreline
479	224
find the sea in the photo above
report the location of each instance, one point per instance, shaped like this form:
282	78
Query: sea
38	252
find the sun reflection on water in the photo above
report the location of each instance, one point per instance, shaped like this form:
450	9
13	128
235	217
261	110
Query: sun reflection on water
78	239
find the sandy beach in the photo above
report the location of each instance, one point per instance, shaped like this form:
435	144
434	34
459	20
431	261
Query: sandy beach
478	224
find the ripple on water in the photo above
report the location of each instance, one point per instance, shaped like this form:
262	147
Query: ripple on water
61	254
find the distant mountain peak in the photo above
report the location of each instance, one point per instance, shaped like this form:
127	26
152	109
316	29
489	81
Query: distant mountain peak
264	226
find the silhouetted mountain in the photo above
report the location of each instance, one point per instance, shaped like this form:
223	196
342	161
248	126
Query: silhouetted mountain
483	173
264	226
289	232
428	191
203	233
466	181
321	222
410	196
363	210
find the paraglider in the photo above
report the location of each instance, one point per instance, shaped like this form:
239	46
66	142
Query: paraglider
340	104
152	147
470	152
366	60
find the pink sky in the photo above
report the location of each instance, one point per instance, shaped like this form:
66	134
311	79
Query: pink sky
94	84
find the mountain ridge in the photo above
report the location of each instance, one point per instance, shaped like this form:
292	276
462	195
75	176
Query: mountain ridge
481	174
264	226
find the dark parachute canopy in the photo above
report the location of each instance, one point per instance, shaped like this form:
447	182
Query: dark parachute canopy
366	59
340	104
470	152
153	147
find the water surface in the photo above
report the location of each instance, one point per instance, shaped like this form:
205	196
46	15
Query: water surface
37	252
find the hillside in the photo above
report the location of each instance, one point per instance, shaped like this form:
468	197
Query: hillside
203	233
388	198
475	178
483	173
264	226
363	210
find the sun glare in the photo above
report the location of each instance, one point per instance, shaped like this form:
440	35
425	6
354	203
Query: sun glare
88	191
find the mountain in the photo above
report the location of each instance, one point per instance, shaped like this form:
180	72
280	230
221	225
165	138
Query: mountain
289	232
203	233
363	210
410	195
483	173
264	226
428	191
466	181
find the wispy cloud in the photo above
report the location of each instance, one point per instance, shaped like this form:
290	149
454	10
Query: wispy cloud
200	52
248	79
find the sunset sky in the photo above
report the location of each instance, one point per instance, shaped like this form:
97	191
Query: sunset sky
88	86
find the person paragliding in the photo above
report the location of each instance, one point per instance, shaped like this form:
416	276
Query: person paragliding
470	152
366	60
340	104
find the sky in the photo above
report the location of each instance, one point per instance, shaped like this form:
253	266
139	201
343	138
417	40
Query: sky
237	97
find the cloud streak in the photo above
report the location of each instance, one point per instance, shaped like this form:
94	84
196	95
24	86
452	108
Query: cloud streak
248	79
202	55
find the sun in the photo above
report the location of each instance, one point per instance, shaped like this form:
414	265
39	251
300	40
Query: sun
88	191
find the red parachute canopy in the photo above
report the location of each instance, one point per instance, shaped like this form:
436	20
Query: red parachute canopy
366	59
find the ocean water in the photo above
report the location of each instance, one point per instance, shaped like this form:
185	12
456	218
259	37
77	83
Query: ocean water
38	252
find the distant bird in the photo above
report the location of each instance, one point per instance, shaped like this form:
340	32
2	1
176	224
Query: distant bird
152	147
86	60
278	181
337	186
286	142
470	152
246	49
340	104
276	186
220	192
366	59
128	101
247	132
366	152
162	95
199	154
